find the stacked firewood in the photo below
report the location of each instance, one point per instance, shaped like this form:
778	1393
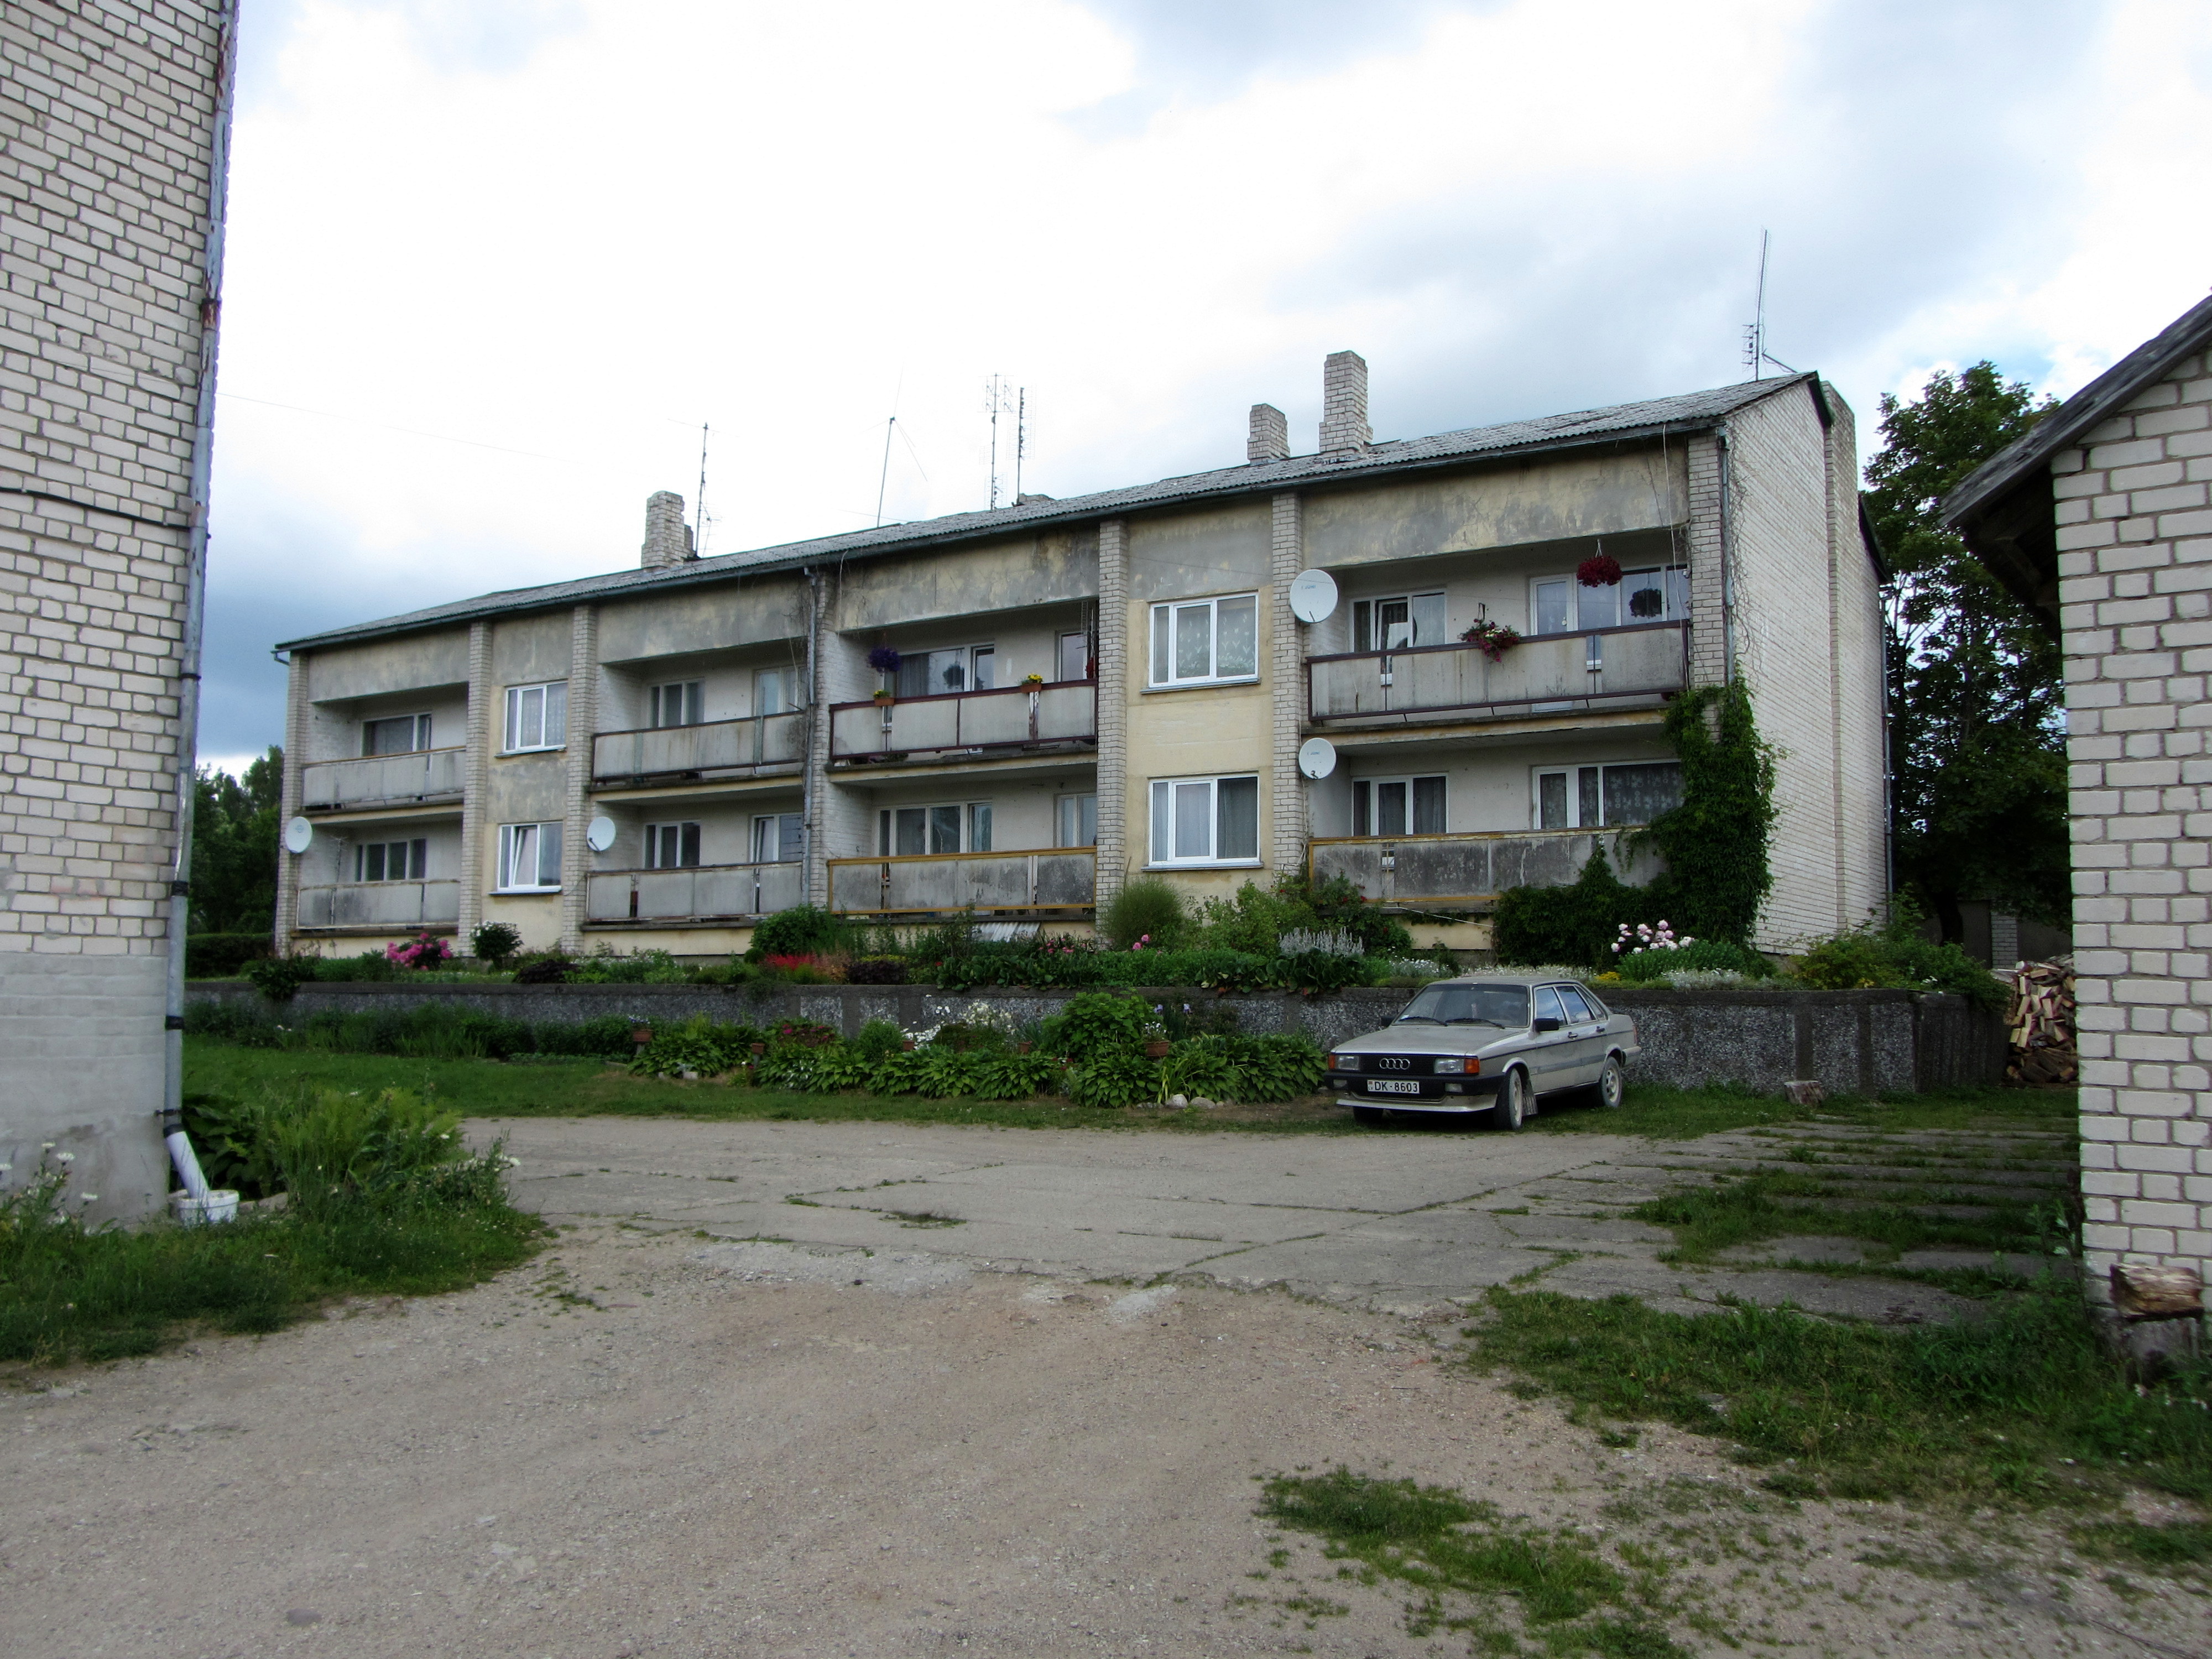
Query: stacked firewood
2039	1023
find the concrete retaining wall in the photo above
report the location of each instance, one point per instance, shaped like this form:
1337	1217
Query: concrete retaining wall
1858	1042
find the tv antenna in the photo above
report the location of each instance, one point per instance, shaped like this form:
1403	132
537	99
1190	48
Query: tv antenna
995	404
1021	437
1756	356
699	551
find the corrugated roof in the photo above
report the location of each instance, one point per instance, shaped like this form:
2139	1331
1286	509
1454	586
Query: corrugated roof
1687	411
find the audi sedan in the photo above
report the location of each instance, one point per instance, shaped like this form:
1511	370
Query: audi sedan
1497	1043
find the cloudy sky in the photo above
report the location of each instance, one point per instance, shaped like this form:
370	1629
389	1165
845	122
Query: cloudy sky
492	265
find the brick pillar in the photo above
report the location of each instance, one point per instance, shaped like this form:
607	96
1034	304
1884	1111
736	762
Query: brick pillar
289	798
1115	852
475	772
1708	595
1287	683
821	836
583	721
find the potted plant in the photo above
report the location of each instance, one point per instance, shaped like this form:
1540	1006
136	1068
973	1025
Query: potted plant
1492	638
1031	682
884	661
1601	569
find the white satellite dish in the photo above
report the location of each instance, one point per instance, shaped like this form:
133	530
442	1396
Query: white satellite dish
299	836
599	834
1313	595
1316	757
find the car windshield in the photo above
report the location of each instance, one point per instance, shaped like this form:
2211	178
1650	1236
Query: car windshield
1450	1004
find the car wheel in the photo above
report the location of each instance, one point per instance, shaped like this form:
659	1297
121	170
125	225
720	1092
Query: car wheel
1512	1109
1369	1115
1612	1085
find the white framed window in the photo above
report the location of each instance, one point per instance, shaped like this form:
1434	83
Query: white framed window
945	673
671	845
1072	661
683	703
779	838
1596	797
1206	820
774	691
1075	821
537	717
529	858
392	860
1561	604
950	827
1206	641
399	734
1398	806
1396	624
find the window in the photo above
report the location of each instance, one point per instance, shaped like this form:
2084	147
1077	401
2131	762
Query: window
1577	1009
529	858
1206	820
1074	657
392	860
905	831
402	734
1590	796
671	845
1395	624
537	716
1398	806
681	704
1548	1006
779	838
772	691
940	674
1076	820
1206	640
1561	604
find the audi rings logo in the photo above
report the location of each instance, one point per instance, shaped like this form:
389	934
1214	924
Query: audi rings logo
1394	1065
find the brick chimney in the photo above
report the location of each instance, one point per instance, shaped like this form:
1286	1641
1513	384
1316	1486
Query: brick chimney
1344	429
667	538
1269	439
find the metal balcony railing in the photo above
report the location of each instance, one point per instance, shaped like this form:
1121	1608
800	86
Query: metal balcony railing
1472	869
393	904
1059	879
758	742
424	776
1546	673
706	892
1005	718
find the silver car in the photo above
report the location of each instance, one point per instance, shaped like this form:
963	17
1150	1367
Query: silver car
1499	1044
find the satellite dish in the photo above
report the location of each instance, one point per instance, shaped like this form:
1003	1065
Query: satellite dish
1316	757
299	836
600	834
1313	595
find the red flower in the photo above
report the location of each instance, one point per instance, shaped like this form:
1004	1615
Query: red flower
1599	570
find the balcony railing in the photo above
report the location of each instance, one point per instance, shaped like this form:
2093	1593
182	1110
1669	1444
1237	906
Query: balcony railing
1057	879
393	904
426	775
1472	869
1543	674
1005	719
759	742
707	892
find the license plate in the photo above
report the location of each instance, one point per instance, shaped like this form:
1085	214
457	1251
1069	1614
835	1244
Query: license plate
1391	1086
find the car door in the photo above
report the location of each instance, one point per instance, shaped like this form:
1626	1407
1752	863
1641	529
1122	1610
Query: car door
1587	1027
1551	1053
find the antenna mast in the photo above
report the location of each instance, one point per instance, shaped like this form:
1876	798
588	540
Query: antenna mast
699	551
1756	356
1021	437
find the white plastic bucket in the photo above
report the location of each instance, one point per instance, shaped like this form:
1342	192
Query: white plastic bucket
220	1204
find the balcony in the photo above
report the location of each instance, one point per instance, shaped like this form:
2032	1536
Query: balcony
758	746
427	777
1058	880
381	906
1472	869
1002	721
706	893
1549	673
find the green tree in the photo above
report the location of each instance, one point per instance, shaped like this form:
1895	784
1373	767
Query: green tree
235	847
1978	724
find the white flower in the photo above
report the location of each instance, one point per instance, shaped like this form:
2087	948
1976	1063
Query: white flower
46	1145
88	1197
65	1158
4	1167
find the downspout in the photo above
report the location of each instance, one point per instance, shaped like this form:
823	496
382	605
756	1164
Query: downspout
1727	562
807	799
188	671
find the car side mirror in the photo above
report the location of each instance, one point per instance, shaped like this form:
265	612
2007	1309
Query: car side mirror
1542	1023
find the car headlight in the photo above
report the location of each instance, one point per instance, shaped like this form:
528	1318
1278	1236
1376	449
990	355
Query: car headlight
1344	1062
1453	1067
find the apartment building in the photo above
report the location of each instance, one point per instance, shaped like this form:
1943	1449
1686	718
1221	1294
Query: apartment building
1020	710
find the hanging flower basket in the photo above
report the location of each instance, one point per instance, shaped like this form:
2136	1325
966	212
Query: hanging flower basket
1492	638
883	659
1599	570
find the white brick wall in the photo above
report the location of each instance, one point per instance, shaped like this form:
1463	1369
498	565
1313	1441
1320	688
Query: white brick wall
1114	692
2134	565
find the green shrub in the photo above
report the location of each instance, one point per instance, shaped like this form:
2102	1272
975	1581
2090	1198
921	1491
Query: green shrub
496	942
803	930
1895	958
1575	925
369	967
1252	922
606	966
279	978
1270	1068
328	1148
1704	956
1015	1077
1101	1023
1114	1078
1315	971
879	1038
543	968
877	971
1202	1067
1147	909
220	955
897	1074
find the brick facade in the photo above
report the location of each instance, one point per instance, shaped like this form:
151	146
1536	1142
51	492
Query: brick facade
2135	563
110	116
